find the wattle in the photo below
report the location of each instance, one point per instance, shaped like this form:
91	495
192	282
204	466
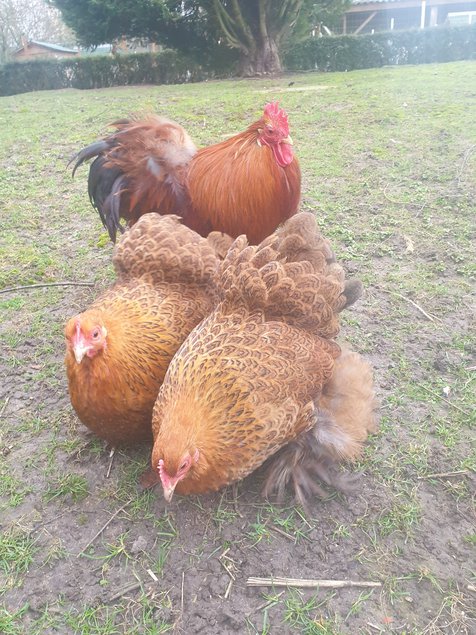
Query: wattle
283	153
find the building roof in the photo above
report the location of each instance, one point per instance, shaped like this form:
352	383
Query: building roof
372	1
47	45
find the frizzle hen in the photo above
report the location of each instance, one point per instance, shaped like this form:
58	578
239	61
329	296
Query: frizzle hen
246	380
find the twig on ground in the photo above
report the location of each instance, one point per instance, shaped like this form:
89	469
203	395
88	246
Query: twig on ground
466	156
152	575
283	533
432	318
4	407
266	604
471	587
228	589
48	284
443	474
104	527
111	459
450	403
181	593
127	589
293	582
381	629
391	200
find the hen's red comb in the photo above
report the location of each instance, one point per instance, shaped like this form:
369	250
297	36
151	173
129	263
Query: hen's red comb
278	116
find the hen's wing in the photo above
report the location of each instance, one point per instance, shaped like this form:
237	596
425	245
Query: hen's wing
292	277
162	249
139	168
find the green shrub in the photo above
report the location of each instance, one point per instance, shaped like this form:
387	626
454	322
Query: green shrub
100	71
336	53
349	52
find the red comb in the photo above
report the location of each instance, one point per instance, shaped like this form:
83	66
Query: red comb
278	116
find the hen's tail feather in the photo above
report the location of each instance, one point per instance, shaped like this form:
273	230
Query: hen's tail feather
290	277
353	290
344	417
162	249
297	240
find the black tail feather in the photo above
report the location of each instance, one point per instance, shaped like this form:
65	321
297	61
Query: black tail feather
93	150
105	185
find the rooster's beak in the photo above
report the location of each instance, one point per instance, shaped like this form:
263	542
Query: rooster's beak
169	492
288	140
80	351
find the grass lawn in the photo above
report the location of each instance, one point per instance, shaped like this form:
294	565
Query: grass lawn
389	169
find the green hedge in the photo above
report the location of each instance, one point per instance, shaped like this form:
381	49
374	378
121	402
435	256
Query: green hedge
336	53
349	52
98	71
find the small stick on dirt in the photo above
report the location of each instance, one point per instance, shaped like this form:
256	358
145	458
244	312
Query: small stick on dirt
226	569
266	604
111	459
432	318
181	593
467	154
450	403
127	589
228	589
442	474
293	582
376	627
283	533
104	527
152	575
4	407
391	199
49	284
471	587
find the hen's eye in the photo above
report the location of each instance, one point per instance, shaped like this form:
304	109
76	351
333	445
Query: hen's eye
95	334
183	466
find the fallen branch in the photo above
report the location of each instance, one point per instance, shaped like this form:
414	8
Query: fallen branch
443	474
450	403
48	284
103	528
327	584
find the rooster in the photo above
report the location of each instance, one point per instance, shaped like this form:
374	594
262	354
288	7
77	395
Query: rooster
119	348
248	380
247	184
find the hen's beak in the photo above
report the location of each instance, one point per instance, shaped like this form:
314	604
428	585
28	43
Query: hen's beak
80	351
288	140
169	492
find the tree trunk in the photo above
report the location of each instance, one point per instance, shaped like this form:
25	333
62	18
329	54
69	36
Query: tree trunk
264	59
